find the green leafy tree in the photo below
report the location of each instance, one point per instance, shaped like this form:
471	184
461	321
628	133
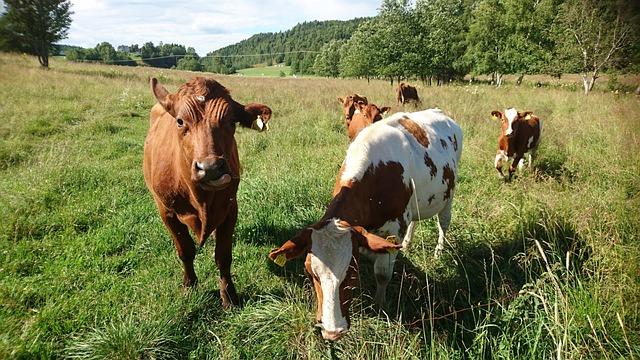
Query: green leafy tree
107	52
358	56
488	32
37	24
189	62
590	35
148	50
443	26
529	45
328	60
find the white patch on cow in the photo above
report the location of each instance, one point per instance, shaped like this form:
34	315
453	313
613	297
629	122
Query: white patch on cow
529	142
521	164
356	111
512	115
331	252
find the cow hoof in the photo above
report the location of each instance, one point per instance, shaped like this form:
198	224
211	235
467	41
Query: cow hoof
189	282
229	296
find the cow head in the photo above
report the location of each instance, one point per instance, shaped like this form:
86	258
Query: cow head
511	119
348	105
331	249
205	118
365	115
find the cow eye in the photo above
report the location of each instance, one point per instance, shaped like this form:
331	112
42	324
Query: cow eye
180	122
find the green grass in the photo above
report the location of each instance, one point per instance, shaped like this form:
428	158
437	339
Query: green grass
545	266
266	71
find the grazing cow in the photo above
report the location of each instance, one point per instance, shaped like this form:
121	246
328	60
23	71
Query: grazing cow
192	169
406	93
520	135
349	106
397	171
364	115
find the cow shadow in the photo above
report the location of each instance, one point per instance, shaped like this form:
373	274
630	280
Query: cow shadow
482	281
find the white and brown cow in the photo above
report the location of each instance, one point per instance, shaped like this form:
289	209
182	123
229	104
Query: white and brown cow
397	171
520	135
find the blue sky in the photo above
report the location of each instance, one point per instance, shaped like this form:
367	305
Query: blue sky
204	25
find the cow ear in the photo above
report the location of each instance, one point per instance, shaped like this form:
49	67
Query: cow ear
372	241
162	95
255	116
341	101
293	248
526	115
496	115
385	110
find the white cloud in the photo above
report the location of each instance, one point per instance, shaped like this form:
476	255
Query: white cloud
204	25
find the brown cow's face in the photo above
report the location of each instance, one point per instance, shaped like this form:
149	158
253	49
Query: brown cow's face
331	262
205	120
365	116
349	106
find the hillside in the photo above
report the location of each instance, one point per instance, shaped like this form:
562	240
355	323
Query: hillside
278	47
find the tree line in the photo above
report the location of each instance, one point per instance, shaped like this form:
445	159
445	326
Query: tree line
436	41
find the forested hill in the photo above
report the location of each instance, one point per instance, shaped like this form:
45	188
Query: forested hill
307	36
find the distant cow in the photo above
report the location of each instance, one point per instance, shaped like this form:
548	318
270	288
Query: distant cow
364	116
397	171
520	135
192	169
349	107
406	93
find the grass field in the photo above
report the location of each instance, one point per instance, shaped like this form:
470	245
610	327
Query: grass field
266	71
546	266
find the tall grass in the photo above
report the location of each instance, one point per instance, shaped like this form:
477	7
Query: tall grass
545	266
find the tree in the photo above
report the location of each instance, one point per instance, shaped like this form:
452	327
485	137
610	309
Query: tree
486	40
327	61
528	47
590	34
107	52
38	24
149	51
189	62
443	27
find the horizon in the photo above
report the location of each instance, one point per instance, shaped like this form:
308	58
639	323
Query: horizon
212	26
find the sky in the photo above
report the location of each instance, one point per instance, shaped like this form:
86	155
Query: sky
203	25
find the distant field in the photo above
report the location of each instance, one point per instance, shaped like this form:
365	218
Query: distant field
546	266
269	71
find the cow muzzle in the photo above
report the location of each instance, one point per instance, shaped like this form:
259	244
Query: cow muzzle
211	172
331	335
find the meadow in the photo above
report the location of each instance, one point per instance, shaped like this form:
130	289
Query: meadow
545	266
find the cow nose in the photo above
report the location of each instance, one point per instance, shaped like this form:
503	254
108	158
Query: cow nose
209	169
333	335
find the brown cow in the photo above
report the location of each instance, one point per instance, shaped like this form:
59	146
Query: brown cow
406	93
192	169
520	134
348	105
364	116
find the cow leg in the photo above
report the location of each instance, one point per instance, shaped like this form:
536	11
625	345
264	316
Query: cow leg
406	241
185	247
224	237
383	269
500	158
514	163
444	219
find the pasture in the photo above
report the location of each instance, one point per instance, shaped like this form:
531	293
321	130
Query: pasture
545	266
266	71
